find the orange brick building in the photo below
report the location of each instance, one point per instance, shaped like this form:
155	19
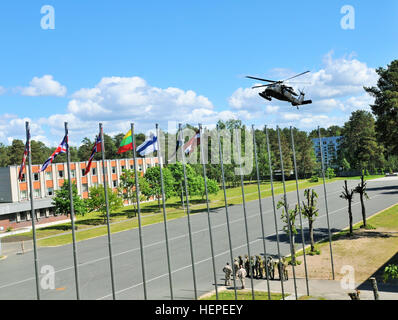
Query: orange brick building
14	194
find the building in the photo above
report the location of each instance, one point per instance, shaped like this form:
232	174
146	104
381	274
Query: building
330	147
15	206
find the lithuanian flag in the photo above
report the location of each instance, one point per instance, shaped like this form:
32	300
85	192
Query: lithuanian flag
126	144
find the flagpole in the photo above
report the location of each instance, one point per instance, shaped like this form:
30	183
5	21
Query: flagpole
244	213
273	204
208	209
300	215
287	213
33	214
137	191
164	211
226	210
188	216
72	214
326	202
107	211
261	212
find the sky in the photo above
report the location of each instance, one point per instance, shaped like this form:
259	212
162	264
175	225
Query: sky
174	61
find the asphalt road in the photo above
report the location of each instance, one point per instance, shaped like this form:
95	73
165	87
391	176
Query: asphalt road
17	271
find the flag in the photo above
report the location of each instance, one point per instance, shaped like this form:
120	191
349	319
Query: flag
62	148
96	148
25	155
180	142
126	144
189	147
148	146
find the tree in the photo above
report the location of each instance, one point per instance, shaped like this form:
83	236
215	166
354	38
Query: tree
330	173
385	107
96	200
348	195
290	223
359	145
15	152
61	200
4	158
153	189
40	152
361	190
126	187
212	187
310	212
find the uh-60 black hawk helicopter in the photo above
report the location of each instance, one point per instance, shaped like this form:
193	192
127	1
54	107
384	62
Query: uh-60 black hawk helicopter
280	91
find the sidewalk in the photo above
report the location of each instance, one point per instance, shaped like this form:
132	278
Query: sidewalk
27	229
327	289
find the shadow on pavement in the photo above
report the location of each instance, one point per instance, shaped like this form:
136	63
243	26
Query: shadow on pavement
390	286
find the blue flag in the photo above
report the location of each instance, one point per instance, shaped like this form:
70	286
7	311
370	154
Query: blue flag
149	146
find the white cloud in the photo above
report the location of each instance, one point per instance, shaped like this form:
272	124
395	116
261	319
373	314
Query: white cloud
2	90
117	98
44	86
13	127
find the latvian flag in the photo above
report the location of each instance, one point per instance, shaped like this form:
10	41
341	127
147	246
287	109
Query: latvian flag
96	148
25	155
189	147
62	148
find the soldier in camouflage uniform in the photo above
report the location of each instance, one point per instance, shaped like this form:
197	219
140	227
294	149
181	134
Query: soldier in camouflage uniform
236	267
253	267
247	264
240	260
228	272
242	275
257	267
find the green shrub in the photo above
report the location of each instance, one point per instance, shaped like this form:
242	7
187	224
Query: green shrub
314	179
390	272
9	229
330	173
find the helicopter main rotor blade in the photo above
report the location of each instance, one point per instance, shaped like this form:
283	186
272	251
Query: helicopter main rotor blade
298	75
273	81
264	85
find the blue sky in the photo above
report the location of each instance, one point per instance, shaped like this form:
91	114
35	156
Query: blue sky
128	54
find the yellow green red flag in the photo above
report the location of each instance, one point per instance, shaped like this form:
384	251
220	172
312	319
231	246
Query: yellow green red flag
126	144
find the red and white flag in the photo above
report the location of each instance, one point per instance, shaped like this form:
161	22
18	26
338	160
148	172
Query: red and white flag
25	155
190	146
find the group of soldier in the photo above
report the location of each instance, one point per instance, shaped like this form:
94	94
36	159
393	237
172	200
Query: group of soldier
255	267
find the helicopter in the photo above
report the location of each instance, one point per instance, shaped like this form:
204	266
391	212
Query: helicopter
280	91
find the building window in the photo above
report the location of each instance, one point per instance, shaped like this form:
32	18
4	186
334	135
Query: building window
73	173
123	167
23	177
115	183
94	171
49	175
36	176
36	193
42	213
113	170
61	173
83	170
85	187
50	192
24	194
131	166
13	217
22	216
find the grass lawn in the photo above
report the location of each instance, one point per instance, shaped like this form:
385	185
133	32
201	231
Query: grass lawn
244	295
367	250
92	224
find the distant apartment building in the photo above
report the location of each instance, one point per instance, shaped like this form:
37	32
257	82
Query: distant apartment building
15	205
330	147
